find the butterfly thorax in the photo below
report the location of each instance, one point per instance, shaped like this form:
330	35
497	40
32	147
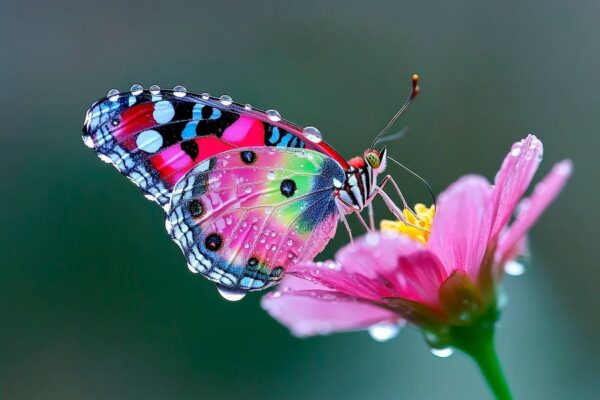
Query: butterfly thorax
357	191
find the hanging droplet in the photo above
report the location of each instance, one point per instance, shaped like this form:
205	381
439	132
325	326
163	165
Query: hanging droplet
271	175
247	107
514	268
312	134
442	353
274	115
230	294
136	89
113	95
384	331
154	89
179	91
226	100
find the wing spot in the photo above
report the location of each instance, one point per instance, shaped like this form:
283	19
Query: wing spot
213	242
288	187
248	157
196	208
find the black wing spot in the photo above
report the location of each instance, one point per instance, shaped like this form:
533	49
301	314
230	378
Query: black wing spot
248	157
288	187
213	242
196	208
190	147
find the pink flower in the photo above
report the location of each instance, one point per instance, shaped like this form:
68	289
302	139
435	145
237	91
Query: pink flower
441	279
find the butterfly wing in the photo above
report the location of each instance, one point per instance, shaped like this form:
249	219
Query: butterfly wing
243	216
154	137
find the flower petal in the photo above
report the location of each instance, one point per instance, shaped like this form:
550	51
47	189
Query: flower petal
423	276
308	308
513	178
531	209
461	226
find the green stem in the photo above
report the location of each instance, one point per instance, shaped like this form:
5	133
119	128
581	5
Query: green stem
484	355
477	341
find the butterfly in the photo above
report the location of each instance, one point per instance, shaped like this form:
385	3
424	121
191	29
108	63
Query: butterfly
246	193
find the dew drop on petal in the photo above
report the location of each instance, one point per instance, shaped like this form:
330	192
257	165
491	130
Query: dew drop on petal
274	115
226	100
516	150
113	95
154	89
442	353
136	89
230	294
384	331
312	134
179	91
372	239
514	268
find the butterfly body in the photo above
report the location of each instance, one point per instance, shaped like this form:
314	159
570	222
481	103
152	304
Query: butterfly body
246	194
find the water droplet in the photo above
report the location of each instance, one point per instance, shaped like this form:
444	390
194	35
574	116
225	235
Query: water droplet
226	100
179	91
88	141
274	115
516	150
312	134
290	242
442	353
268	210
136	89
372	239
228	221
205	96
384	331
275	294
514	268
271	175
230	294
113	95
247	107
564	168
315	272
273	234
248	190
290	255
246	245
154	89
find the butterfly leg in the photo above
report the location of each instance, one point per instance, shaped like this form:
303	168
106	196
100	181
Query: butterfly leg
393	207
345	222
371	217
391	180
363	222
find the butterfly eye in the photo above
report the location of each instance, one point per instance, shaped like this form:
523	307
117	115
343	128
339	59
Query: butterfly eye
373	159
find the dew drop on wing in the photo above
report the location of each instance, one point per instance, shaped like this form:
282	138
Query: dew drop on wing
226	100
230	294
179	91
113	95
274	115
136	89
312	134
154	89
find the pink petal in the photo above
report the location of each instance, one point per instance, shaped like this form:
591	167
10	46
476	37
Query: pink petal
531	209
461	226
514	177
308	308
424	275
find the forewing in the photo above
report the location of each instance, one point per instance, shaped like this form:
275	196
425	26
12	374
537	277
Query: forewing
242	217
155	137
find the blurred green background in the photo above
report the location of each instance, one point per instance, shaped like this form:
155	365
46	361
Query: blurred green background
96	301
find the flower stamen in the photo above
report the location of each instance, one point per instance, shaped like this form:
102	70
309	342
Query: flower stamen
416	225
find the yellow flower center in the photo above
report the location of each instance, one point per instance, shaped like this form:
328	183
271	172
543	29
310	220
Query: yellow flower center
416	225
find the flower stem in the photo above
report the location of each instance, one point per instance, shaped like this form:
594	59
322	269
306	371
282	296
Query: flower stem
484	355
477	341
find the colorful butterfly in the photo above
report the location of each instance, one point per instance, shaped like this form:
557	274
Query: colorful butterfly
246	194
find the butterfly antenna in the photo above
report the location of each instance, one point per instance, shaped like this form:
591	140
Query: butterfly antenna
413	93
416	175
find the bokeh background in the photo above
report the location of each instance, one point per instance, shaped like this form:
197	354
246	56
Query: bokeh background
95	299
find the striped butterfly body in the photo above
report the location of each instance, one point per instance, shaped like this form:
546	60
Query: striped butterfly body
246	194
